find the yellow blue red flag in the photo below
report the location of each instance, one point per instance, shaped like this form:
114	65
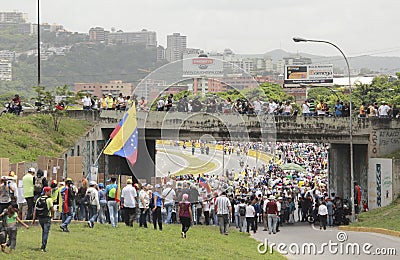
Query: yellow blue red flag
124	138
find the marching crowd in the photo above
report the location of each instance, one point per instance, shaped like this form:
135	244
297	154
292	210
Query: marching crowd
247	198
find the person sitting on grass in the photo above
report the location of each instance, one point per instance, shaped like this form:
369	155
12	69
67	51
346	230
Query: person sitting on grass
11	225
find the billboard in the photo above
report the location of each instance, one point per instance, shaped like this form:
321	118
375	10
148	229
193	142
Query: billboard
202	67
308	74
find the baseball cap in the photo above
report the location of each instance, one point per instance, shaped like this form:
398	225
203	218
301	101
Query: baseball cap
32	170
129	181
92	183
158	186
47	189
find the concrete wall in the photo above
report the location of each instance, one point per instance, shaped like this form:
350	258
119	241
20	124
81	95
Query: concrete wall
339	169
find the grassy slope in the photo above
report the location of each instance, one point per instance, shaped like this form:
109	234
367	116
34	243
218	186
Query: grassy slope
385	217
25	138
103	242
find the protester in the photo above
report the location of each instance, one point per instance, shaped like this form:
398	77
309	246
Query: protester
5	193
94	204
169	196
323	214
158	205
44	210
223	208
143	206
68	202
11	224
113	206
103	204
129	202
28	186
184	214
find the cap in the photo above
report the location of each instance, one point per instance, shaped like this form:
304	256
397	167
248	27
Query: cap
3	178
92	183
280	198
101	185
110	94
47	189
271	197
129	181
32	170
158	186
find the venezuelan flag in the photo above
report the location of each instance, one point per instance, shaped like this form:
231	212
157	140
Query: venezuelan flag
124	138
203	182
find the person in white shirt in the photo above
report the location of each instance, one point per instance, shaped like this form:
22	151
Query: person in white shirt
223	208
169	196
160	104
257	106
250	217
384	110
206	209
94	203
128	203
323	213
272	106
86	102
144	200
306	108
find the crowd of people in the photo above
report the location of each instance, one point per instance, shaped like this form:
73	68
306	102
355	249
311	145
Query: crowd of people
249	198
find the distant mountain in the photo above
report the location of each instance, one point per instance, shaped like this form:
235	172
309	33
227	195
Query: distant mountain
374	63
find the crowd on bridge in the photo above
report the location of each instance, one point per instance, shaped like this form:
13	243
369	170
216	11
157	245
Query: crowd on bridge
249	106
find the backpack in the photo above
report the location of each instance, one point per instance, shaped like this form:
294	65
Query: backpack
151	202
112	192
86	200
242	211
41	207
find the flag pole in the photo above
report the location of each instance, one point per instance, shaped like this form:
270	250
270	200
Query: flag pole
98	157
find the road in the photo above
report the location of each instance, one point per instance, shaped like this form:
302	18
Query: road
173	163
301	233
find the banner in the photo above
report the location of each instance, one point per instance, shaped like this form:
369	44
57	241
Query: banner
308	74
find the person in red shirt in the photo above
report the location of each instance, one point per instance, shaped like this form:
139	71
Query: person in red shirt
272	212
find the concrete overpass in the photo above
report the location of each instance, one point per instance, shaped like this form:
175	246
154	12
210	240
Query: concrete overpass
372	138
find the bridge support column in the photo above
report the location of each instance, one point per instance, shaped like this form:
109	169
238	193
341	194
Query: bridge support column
339	169
145	166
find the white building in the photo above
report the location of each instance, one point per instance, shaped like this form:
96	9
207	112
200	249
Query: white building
5	70
176	45
149	38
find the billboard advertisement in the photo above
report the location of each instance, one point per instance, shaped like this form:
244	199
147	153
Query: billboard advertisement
308	74
202	67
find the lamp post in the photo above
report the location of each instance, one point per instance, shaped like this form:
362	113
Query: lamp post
298	39
38	41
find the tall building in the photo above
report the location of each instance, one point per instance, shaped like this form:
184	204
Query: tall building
297	60
176	45
5	70
149	38
98	34
12	17
160	53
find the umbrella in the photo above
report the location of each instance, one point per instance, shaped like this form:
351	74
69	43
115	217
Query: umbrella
292	167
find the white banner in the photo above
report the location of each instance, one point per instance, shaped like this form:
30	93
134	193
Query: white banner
202	67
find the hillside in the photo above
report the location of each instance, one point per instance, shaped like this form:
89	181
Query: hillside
25	138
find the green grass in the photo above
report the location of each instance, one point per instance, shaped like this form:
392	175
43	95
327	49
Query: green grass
195	165
385	217
104	242
24	138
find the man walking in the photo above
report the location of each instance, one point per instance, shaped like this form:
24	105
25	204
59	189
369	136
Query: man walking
68	195
169	196
44	211
28	186
272	212
223	208
94	204
129	202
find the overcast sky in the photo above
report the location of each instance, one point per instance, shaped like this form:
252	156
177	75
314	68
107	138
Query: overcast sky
254	26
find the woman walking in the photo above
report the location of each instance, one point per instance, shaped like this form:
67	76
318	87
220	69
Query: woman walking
11	218
185	214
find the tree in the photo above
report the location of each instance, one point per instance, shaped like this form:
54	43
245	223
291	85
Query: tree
55	102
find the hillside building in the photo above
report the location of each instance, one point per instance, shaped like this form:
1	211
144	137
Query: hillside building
176	46
5	70
98	89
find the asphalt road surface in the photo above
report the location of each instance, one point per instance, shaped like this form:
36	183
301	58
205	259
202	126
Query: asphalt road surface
339	244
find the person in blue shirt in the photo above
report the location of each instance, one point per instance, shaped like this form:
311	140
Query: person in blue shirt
111	191
338	108
158	204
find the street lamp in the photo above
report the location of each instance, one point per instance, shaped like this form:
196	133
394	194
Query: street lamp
298	39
